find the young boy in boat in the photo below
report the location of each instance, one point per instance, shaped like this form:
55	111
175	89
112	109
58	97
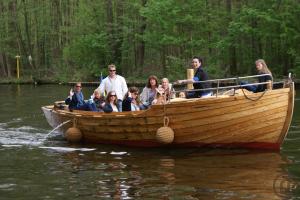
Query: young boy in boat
98	101
76	101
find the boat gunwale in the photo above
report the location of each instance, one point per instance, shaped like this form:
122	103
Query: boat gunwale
183	103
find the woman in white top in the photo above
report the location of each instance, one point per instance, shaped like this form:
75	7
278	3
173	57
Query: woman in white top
111	103
149	92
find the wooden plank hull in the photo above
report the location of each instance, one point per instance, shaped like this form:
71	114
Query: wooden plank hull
225	121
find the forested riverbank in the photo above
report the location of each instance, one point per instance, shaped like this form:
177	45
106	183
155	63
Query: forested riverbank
69	40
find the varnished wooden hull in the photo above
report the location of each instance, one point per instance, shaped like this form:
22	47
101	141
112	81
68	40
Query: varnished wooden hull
226	121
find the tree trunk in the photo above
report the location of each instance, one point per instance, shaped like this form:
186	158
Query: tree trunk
109	25
164	61
15	26
141	43
232	48
7	64
3	67
28	35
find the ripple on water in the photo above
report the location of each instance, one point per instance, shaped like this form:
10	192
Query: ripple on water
118	153
68	149
25	135
7	186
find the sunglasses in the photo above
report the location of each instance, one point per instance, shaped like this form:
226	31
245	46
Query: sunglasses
112	70
78	86
113	95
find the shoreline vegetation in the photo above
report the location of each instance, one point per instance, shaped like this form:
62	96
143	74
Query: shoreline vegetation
60	41
23	81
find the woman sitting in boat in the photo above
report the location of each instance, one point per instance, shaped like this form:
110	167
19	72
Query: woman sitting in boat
262	69
149	92
201	88
98	101
132	101
167	89
76	101
111	103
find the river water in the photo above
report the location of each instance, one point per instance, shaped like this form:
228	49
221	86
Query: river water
35	167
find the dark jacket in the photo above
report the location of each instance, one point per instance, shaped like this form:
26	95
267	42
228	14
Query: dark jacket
261	79
107	108
98	104
201	75
126	104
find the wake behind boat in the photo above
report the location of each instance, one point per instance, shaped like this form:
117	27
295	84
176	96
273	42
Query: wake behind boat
234	118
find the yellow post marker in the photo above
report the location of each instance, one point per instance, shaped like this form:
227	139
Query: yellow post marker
18	66
190	75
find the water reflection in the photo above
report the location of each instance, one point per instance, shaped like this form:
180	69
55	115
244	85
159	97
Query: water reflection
208	175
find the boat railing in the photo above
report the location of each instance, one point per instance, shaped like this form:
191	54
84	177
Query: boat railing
220	83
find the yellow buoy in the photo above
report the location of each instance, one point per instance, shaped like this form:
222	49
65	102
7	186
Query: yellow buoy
73	135
165	134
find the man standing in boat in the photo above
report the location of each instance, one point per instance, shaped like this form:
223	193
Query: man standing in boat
114	82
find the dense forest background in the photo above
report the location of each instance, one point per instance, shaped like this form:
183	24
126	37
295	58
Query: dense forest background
64	40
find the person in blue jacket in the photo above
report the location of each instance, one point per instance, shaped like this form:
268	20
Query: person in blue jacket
76	101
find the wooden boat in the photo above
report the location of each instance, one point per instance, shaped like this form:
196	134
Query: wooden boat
241	119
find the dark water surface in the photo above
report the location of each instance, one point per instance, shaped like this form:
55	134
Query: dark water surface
32	167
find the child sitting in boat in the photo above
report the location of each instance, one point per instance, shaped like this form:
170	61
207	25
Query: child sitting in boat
167	89
76	101
98	101
111	103
132	101
159	98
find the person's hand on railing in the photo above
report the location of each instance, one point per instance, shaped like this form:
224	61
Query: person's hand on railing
184	81
178	82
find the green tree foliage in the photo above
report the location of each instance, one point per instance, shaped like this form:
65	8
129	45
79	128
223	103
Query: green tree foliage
77	39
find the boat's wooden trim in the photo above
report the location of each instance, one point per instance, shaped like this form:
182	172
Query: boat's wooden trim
289	116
